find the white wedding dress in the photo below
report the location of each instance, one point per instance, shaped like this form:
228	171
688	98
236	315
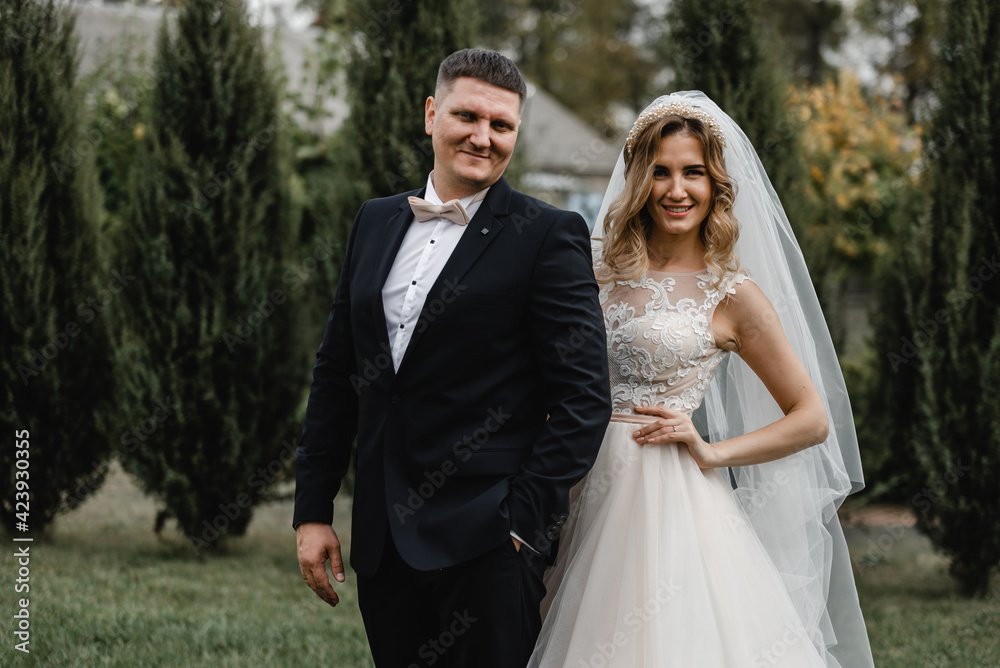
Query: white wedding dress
658	566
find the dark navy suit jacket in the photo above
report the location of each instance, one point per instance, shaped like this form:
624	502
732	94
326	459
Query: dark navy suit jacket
499	405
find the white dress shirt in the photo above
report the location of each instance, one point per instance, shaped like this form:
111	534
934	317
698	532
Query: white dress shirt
421	257
423	254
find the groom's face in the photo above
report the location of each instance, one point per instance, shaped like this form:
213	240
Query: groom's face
473	127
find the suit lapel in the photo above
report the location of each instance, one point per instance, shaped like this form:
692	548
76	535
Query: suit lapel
395	231
484	227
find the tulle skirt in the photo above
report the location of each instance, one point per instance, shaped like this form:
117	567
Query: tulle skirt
659	568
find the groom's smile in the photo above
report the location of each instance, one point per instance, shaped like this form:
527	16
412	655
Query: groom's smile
473	126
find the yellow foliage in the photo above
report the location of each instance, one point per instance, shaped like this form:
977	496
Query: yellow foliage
817	174
856	146
847	247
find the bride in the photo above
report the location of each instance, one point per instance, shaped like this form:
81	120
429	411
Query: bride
706	534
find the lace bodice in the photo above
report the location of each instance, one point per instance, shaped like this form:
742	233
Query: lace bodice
661	350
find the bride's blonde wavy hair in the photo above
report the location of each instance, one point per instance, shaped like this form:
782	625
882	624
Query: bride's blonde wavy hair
628	224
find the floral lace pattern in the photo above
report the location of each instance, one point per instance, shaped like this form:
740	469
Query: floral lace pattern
661	349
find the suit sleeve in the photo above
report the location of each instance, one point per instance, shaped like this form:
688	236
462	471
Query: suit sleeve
567	334
331	421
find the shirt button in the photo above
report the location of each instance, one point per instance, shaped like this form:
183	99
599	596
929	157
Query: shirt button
413	283
395	399
402	326
432	241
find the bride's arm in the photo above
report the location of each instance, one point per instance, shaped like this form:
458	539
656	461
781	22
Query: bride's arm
747	324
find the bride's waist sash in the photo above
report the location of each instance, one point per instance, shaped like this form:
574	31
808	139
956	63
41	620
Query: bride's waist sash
634	418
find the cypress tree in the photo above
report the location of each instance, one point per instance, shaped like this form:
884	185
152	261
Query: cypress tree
57	289
212	361
887	402
393	69
949	347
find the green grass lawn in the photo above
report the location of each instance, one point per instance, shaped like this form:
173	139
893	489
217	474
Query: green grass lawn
915	616
106	592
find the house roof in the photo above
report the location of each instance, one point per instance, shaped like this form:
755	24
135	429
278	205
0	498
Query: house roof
557	141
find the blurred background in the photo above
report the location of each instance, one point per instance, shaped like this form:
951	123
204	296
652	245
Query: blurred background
177	182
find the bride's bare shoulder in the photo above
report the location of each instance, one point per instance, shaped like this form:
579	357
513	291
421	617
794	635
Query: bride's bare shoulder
742	315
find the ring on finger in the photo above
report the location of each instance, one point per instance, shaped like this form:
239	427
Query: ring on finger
675	428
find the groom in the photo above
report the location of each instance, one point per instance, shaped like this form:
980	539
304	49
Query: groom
466	352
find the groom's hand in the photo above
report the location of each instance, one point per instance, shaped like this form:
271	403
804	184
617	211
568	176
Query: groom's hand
316	543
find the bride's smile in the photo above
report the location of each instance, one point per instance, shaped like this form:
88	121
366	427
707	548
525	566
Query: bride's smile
681	196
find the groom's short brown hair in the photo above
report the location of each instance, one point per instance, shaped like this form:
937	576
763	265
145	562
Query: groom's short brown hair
489	66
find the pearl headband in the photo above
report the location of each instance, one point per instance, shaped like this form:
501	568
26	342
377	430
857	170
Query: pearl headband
672	109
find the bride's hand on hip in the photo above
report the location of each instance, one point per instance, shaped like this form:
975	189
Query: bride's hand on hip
675	427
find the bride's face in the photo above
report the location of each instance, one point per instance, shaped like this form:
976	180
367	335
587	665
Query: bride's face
681	197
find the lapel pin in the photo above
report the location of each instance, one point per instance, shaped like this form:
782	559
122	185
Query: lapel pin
485	230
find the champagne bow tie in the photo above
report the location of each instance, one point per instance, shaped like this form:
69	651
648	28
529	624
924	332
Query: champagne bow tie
452	210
